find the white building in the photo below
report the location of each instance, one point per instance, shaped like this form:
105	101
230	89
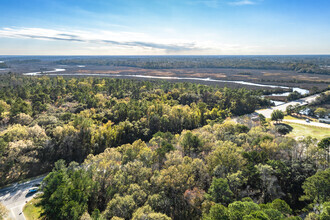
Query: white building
305	111
325	120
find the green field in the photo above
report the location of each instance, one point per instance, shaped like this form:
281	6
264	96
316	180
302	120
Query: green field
300	130
289	117
31	211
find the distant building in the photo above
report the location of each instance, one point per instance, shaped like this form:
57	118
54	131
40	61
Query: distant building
255	118
325	117
325	120
305	111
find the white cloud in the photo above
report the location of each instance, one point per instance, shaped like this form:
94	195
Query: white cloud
75	42
217	3
121	39
243	2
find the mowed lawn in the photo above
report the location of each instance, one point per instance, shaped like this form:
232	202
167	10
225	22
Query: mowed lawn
31	211
300	130
289	117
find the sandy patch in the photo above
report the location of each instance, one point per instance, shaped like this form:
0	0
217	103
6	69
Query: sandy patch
161	73
98	71
246	76
272	74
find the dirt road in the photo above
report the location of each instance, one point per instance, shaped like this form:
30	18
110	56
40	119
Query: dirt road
304	101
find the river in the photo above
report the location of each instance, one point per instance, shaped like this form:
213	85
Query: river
54	73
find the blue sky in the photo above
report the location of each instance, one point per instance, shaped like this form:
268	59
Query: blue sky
162	27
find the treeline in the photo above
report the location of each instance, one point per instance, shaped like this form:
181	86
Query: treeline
3	65
222	171
46	119
16	60
317	108
323	99
301	64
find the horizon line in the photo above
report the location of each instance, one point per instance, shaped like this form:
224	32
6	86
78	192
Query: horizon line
328	54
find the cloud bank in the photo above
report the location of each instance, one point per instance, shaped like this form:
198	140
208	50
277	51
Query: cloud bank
217	3
123	39
112	43
243	2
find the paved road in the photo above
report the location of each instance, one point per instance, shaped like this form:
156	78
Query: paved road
15	196
304	101
317	124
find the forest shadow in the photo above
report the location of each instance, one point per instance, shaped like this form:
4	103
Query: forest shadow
283	128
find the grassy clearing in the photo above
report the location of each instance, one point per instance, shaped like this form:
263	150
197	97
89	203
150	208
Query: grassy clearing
31	211
300	130
290	117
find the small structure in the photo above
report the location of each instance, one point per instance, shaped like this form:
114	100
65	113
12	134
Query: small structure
305	111
325	120
255	117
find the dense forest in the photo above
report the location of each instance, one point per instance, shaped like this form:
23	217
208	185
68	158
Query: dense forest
43	119
300	64
3	65
127	149
220	171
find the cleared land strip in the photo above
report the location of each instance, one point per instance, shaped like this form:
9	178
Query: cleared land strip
303	101
16	195
312	123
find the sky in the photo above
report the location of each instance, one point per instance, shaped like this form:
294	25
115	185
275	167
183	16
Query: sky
164	27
